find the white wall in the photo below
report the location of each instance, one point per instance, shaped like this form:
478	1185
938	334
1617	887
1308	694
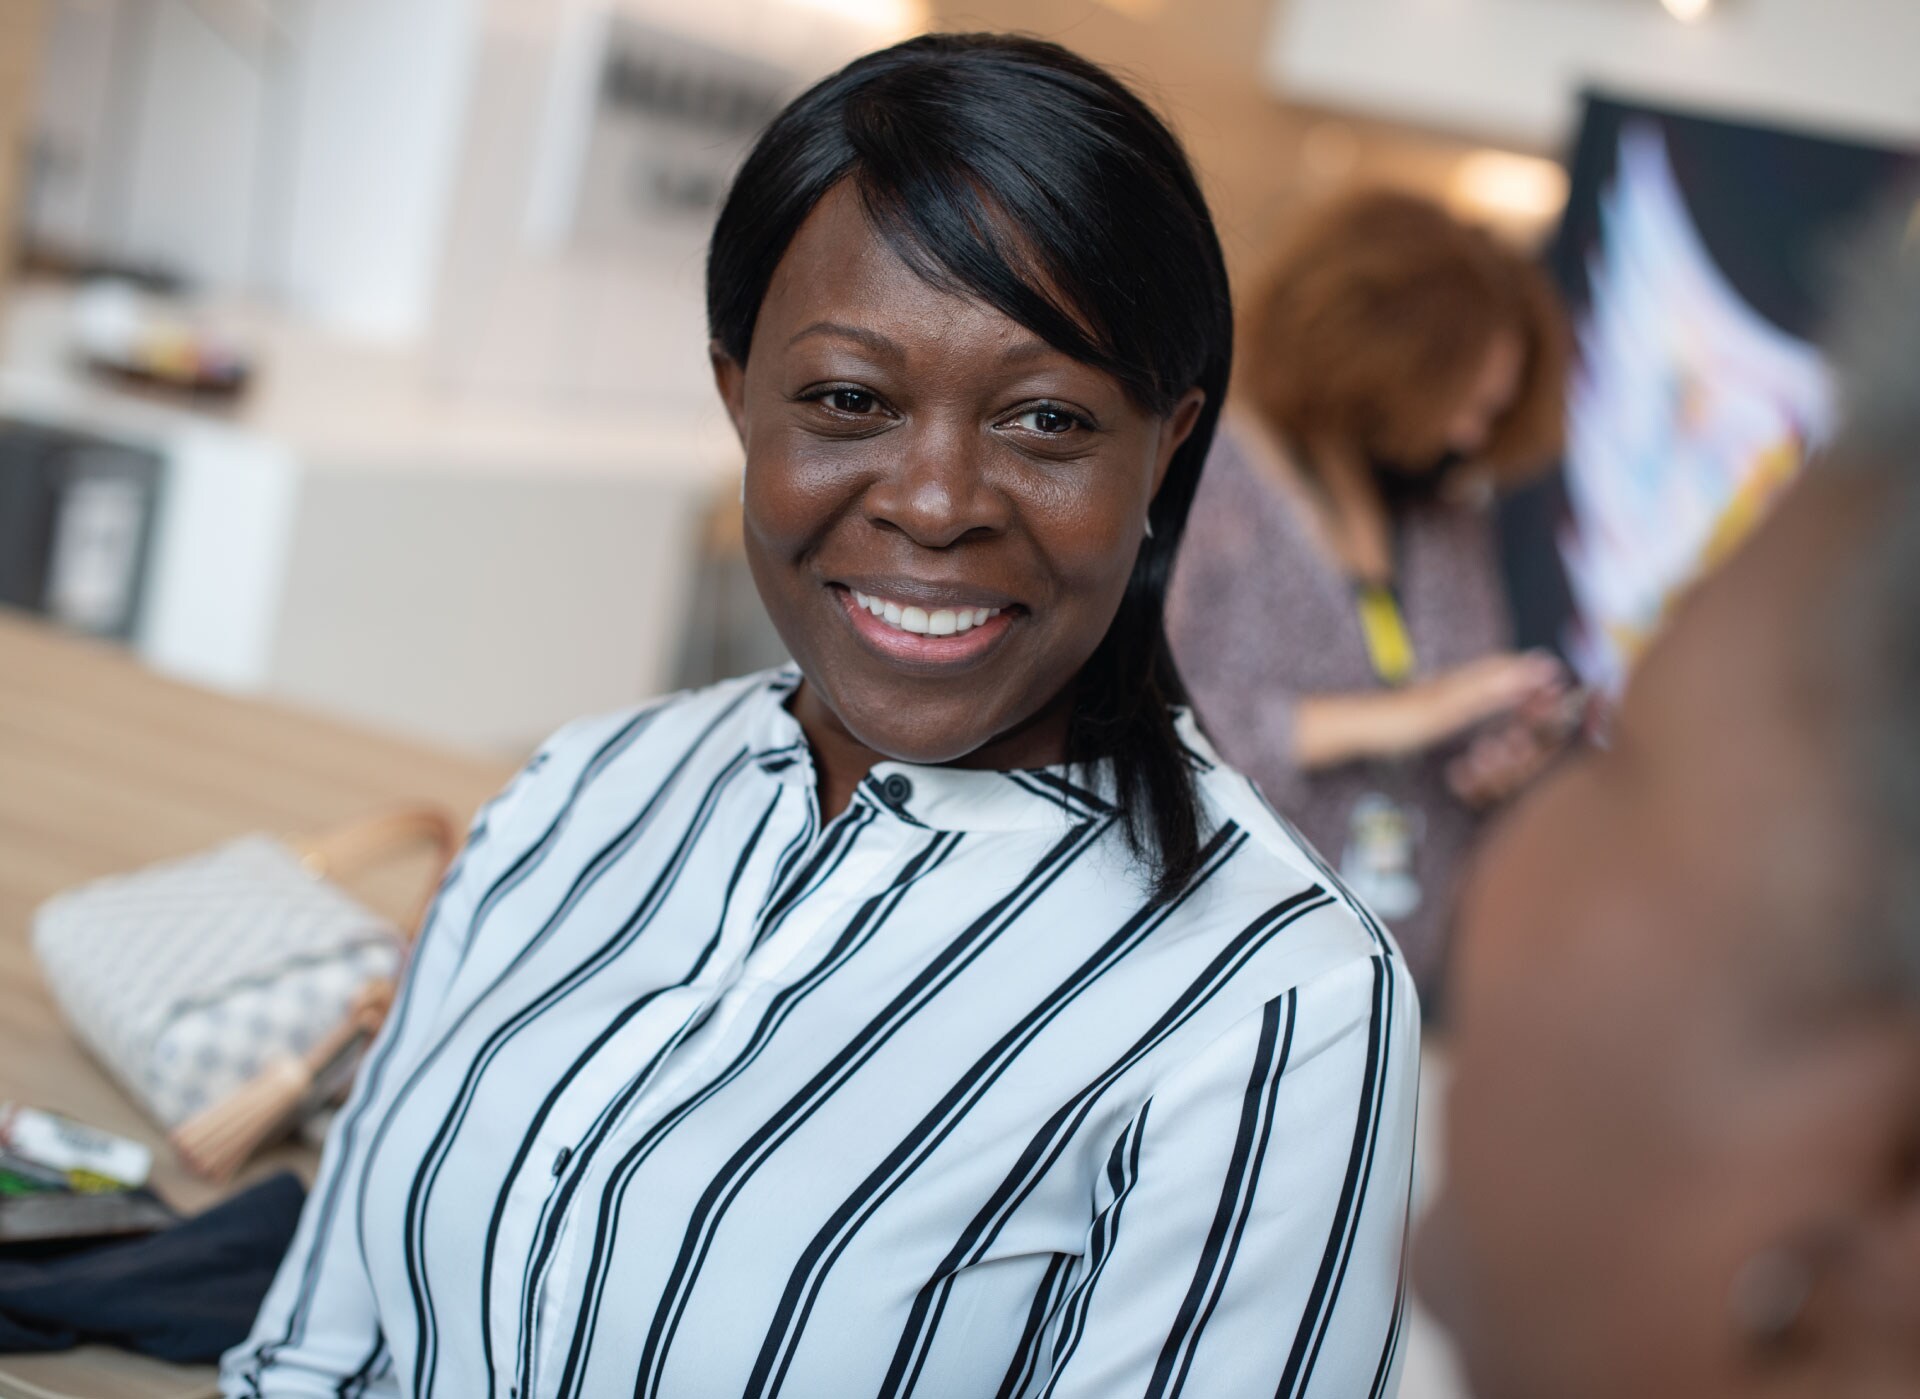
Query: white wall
380	100
193	194
72	119
299	148
372	163
147	128
608	328
1510	69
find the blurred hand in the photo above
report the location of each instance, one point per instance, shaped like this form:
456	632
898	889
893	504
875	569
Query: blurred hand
1499	763
1340	728
1457	700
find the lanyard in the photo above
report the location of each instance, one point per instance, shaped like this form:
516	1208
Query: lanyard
1384	627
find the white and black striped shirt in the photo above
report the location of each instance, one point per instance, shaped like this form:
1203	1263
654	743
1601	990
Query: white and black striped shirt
691	1095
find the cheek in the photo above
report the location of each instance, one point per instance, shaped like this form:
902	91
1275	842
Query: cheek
1088	529
792	498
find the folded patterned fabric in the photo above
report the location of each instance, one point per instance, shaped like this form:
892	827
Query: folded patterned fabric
185	1294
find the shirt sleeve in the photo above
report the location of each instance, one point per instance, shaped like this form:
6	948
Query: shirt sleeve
1251	1240
318	1333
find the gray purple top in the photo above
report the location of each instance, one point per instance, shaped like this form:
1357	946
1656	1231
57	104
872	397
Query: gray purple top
1260	614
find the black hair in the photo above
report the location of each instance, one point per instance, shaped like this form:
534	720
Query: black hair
1010	170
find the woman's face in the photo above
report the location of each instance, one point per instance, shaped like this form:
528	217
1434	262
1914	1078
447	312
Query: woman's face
1416	464
1664	1067
942	510
1495	386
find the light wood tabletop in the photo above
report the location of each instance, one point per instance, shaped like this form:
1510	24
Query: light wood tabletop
106	766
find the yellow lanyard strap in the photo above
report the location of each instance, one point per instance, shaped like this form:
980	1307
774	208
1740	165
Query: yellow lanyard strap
1389	646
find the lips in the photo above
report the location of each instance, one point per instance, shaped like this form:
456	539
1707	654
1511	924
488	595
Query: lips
921	629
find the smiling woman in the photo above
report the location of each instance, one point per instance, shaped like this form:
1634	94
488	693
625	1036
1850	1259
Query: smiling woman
938	1016
993	333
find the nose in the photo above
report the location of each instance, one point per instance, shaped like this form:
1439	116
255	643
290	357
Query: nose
936	491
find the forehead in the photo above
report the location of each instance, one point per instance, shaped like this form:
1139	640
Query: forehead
839	268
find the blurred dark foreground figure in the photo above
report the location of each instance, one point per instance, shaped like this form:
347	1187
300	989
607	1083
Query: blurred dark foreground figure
1684	1132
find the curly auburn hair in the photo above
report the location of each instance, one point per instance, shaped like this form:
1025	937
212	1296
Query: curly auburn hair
1375	319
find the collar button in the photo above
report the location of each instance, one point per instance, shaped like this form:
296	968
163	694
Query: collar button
896	791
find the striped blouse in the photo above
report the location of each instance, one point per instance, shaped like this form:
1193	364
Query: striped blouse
690	1093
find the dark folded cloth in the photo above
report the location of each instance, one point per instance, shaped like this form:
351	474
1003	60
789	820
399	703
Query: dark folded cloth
185	1294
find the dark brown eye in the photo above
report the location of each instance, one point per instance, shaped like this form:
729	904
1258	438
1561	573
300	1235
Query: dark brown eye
851	401
1049	421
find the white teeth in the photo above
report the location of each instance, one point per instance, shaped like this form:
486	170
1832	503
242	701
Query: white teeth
942	621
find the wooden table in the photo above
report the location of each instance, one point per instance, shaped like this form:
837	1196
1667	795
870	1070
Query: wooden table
105	766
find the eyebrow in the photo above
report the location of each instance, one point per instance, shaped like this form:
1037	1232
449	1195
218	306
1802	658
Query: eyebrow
872	339
1031	348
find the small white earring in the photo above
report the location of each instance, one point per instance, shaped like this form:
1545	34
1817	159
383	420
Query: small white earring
1149	526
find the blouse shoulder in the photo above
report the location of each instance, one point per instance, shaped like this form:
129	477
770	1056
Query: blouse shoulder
1276	854
659	732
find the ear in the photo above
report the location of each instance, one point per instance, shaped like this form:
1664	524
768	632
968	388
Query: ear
1175	429
1859	1335
730	378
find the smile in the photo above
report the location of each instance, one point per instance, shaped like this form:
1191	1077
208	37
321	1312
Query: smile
942	621
921	636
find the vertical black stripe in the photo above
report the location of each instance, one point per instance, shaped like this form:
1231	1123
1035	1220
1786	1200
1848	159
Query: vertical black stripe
1306	1343
1384	984
1397	1322
1236	1199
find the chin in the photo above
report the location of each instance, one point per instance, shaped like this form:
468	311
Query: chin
923	738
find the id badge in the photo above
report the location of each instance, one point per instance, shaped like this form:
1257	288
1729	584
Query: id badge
1377	865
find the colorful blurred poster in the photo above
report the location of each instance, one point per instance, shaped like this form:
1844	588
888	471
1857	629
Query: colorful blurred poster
1694	255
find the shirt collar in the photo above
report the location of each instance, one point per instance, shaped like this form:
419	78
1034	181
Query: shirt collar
948	798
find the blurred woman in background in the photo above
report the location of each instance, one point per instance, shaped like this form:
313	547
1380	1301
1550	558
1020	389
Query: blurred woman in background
1336	610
